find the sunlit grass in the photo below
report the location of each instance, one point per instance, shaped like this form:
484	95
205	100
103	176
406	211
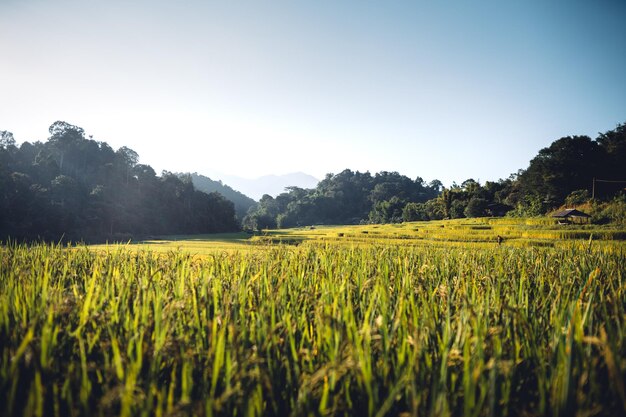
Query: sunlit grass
537	232
419	318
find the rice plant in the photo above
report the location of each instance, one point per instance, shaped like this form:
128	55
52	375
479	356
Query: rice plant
324	328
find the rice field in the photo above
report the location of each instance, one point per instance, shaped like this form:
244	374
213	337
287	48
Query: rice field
400	320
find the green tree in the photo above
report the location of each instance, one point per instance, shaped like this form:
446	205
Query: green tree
414	212
458	209
387	211
6	139
568	164
476	207
577	197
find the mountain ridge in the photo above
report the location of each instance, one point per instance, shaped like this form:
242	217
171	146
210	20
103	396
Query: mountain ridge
271	184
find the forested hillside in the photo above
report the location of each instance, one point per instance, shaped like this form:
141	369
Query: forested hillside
346	198
241	201
561	174
80	189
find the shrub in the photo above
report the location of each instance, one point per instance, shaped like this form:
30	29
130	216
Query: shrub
577	197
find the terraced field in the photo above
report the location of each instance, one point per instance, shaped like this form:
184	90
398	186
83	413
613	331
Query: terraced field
483	233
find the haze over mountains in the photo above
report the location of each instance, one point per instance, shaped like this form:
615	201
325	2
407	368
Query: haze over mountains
267	184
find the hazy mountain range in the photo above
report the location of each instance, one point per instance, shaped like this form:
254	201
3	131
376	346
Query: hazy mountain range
267	184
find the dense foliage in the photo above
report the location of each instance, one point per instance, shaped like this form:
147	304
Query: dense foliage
314	330
345	198
78	188
82	189
562	173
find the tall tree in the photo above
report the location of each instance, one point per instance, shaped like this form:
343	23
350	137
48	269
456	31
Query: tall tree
568	164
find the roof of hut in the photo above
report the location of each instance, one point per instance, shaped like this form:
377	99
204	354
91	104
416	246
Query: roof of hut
570	213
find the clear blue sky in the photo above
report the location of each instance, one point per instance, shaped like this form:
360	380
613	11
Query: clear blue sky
447	89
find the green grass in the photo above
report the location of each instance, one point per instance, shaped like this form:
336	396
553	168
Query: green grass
395	321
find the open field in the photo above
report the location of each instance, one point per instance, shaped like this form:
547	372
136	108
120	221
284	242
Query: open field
483	232
414	319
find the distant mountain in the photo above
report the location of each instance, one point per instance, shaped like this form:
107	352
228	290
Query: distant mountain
242	202
268	184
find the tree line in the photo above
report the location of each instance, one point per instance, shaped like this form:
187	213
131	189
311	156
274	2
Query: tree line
76	188
345	198
560	174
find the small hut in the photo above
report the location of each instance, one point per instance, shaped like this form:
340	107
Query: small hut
568	216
